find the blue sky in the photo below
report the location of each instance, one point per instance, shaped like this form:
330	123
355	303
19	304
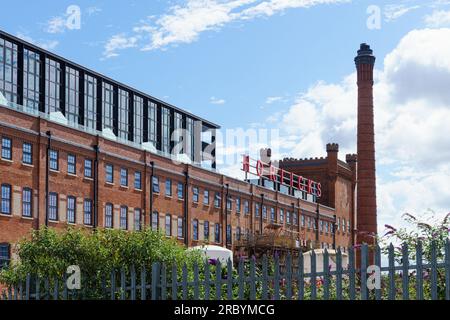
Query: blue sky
285	65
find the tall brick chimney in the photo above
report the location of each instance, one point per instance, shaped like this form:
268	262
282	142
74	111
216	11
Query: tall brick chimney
366	184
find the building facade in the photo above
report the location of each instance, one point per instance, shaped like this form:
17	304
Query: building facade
79	149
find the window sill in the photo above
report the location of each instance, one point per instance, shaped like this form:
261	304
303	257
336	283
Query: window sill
88	179
167	197
71	223
72	175
53	221
7	161
53	171
111	184
27	165
27	218
137	190
6	215
124	187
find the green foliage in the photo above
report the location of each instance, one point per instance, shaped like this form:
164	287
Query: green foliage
48	253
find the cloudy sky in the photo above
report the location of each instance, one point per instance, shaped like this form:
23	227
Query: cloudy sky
279	64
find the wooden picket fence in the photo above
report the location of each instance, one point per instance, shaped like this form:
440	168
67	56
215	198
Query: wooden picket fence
268	279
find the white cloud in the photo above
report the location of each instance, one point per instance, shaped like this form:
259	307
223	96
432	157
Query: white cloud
56	25
217	101
439	18
119	42
271	100
184	23
394	11
412	113
44	44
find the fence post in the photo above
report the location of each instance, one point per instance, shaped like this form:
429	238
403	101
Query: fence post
276	279
143	283
252	279
184	282
55	289
289	277
326	275
338	274
113	284
391	272
163	282
313	275
133	283
419	271
351	273
229	280
265	281
241	279
27	287
363	280
155	280
174	282
405	271
196	282
447	269
38	282
218	280
207	280
378	263
301	277
123	285
433	278
47	288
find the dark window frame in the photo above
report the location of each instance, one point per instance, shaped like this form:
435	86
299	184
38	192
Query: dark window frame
88	172
109	176
109	215
71	212
27	202
123	219
72	164
6	202
53	207
87	212
155	185
138	180
53	158
27	153
7	148
123	177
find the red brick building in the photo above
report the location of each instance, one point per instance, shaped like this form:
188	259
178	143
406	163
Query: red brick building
80	149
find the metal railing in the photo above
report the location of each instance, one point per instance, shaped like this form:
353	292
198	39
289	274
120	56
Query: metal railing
306	277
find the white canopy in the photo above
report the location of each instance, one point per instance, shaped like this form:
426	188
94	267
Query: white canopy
216	253
319	260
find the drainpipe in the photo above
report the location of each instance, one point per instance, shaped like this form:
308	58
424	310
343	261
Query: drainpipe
144	213
152	165
227	185
186	211
317	223
334	232
47	174
97	153
261	215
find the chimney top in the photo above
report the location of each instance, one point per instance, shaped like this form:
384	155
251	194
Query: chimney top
349	158
332	147
365	55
